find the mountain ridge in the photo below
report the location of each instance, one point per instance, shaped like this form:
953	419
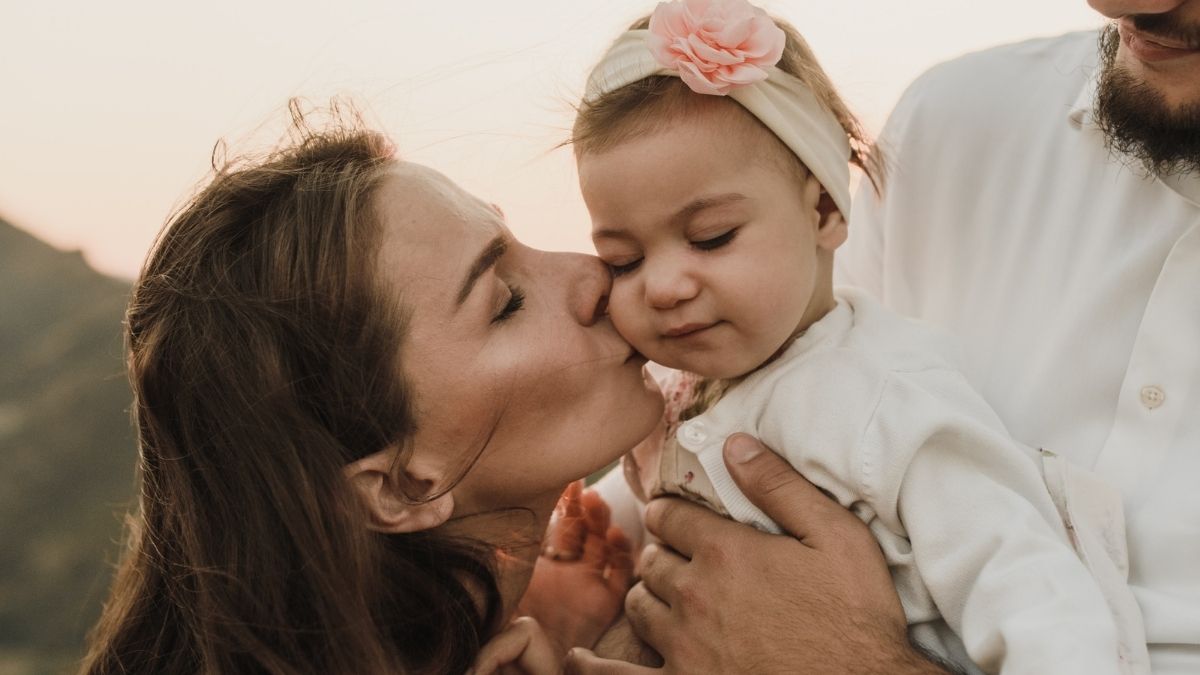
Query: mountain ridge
67	445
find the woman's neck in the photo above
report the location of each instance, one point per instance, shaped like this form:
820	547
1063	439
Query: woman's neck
515	535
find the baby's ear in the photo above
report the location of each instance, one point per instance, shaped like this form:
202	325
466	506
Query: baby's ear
832	229
389	507
831	224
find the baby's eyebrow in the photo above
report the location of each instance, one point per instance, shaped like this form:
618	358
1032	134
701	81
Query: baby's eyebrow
707	202
681	216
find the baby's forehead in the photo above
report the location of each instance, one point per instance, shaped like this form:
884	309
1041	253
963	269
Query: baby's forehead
724	118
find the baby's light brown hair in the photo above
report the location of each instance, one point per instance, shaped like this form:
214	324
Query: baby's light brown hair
650	103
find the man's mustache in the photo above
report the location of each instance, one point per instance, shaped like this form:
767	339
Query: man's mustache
1168	27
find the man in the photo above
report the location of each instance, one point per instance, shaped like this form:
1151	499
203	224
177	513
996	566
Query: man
1044	206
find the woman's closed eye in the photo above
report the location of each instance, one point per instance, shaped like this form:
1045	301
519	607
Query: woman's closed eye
715	242
516	301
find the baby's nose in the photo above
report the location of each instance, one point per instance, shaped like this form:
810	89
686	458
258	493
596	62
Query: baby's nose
668	286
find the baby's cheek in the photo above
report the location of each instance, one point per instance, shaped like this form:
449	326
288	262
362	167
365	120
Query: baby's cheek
628	315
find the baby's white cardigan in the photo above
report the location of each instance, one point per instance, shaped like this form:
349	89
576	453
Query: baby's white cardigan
867	406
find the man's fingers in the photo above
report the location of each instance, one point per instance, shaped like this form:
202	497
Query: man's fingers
583	662
659	568
685	526
649	616
768	481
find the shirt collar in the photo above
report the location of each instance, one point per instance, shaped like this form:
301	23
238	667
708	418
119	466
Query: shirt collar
1081	113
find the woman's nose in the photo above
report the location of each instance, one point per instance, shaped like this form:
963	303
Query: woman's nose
1115	9
589	284
668	284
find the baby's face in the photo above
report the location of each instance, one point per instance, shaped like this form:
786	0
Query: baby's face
713	243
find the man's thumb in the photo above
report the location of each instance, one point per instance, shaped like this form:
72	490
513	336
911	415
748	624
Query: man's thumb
772	485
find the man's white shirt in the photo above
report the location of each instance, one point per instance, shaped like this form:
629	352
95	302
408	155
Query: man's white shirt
1070	279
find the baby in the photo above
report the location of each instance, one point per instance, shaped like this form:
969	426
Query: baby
713	156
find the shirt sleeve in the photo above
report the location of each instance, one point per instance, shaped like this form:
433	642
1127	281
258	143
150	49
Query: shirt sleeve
985	535
860	262
876	210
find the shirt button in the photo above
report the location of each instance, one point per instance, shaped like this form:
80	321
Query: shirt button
694	432
1152	397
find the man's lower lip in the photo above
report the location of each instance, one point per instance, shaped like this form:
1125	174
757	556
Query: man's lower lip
1149	51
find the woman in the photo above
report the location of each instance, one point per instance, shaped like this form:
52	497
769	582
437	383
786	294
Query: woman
353	387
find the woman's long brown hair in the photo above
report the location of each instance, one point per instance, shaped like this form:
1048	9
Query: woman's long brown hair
264	358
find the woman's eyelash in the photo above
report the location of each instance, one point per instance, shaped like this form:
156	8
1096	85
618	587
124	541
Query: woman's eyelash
626	268
516	301
716	242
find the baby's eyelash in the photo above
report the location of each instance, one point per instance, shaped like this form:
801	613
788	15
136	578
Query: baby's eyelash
626	268
516	301
715	242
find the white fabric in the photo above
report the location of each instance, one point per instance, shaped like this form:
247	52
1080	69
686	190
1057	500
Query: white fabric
866	407
1072	282
780	102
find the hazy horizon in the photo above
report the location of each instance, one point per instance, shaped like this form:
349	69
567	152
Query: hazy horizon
113	110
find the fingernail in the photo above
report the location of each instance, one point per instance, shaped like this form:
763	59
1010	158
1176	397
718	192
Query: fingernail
741	449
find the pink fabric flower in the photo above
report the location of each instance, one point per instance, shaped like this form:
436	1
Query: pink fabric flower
716	45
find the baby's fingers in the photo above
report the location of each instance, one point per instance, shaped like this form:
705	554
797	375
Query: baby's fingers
596	511
567	535
570	503
523	646
619	572
597	516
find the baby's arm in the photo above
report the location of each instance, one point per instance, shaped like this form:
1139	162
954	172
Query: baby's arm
985	535
626	510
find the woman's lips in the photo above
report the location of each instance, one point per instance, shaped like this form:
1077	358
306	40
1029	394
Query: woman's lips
1152	48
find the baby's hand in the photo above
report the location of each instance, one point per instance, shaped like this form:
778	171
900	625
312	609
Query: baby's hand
521	648
579	582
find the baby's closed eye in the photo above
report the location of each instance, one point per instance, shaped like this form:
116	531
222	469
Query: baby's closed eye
710	243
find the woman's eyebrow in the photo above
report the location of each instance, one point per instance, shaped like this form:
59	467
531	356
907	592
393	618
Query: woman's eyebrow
487	259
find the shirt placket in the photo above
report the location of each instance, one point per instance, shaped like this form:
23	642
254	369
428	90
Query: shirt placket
1162	371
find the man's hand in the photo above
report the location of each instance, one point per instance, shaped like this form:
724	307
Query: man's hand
726	598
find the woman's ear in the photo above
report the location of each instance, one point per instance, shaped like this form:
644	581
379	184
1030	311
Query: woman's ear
388	506
832	230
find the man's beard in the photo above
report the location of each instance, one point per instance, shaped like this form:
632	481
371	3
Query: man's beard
1138	122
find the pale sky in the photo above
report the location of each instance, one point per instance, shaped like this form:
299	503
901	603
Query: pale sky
109	110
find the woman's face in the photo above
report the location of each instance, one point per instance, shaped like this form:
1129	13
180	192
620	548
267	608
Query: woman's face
508	349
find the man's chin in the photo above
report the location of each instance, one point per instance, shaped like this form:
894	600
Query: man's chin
1148	115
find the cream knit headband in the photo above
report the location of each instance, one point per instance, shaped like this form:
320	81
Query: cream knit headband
780	101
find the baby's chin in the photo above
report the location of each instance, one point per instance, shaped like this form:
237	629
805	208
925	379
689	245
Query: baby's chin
711	364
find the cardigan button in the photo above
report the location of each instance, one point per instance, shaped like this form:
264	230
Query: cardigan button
694	432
